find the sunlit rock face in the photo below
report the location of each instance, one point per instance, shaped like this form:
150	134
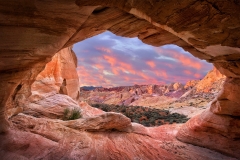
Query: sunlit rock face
58	76
205	85
33	31
211	84
217	127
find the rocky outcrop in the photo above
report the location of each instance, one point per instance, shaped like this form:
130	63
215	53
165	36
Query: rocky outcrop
105	122
58	76
126	95
207	83
45	138
190	84
204	90
177	86
196	93
50	107
33	31
228	97
218	124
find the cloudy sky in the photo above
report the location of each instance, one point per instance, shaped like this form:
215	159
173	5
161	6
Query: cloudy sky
108	60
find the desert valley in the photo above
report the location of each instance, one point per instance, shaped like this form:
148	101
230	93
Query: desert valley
189	99
46	113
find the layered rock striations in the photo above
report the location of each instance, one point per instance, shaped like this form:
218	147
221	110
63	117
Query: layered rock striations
58	76
218	124
33	31
196	93
41	138
128	95
207	88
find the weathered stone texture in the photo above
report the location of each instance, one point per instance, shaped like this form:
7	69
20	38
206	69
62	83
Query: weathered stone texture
33	31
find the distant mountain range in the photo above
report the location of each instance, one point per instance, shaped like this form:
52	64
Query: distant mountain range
89	88
195	93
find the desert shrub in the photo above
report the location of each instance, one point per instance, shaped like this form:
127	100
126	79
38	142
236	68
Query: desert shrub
123	110
154	117
105	107
136	121
71	114
152	120
66	113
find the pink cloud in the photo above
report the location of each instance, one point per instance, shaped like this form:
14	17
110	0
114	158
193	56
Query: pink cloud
161	73
99	66
197	75
187	72
151	64
110	59
104	49
183	59
126	72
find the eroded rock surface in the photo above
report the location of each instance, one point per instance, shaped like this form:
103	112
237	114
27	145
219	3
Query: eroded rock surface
58	76
33	31
219	124
43	138
196	93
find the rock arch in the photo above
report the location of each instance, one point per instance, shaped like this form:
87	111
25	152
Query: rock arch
33	31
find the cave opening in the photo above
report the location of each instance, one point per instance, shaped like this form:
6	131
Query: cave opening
34	32
163	79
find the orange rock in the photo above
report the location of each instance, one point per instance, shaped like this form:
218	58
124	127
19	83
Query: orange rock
217	132
218	127
32	32
191	84
54	139
103	122
207	82
228	102
59	76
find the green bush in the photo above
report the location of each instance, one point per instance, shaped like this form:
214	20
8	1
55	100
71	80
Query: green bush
71	114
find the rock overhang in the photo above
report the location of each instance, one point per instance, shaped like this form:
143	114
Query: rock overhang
32	32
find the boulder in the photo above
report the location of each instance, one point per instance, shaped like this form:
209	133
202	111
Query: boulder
104	122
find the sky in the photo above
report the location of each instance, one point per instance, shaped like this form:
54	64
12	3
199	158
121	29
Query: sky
108	60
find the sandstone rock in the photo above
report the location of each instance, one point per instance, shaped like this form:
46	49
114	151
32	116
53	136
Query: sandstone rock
190	84
129	101
177	86
207	88
59	76
106	121
229	69
50	107
16	144
88	111
169	88
206	83
222	107
160	102
218	124
229	96
216	132
32	32
13	111
48	138
188	111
